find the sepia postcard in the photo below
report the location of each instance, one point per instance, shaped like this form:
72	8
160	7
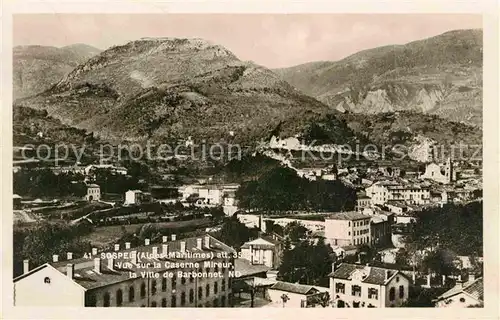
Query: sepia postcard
225	158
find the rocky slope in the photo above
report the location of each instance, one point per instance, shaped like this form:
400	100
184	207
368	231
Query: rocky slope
440	76
37	68
166	88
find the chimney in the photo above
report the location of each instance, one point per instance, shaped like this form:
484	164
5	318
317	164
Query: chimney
69	255
183	246
472	277
26	266
387	274
94	251
444	279
97	265
111	264
146	242
133	257
117	247
155	252
333	267
70	269
164	239
207	241
55	258
127	245
174	237
164	250
429	280
199	243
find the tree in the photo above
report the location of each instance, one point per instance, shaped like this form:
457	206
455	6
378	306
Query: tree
295	231
439	262
234	233
307	263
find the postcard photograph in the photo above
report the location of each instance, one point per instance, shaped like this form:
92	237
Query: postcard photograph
247	160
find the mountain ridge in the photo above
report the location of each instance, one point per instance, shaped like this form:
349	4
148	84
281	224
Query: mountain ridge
441	75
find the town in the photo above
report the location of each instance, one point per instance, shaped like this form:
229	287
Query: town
368	253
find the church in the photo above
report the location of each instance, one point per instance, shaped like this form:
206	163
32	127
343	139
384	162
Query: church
443	175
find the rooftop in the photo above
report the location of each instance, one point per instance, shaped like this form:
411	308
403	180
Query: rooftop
294	287
374	275
472	288
349	215
84	268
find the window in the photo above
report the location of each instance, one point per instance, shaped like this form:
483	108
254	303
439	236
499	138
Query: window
107	299
340	288
119	297
174	281
164	302
153	304
216	287
153	287
223	288
174	301
200	292
191	295
183	280
216	269
462	300
216	302
183	299
372	293
46	280
356	291
223	301
164	284
401	292
348	233
349	223
191	278
207	270
131	294
143	290
392	294
207	290
397	279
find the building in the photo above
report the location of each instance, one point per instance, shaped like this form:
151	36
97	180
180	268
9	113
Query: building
265	250
381	230
444	175
363	201
463	295
137	197
347	228
360	286
174	273
210	194
383	192
294	295
90	169
93	192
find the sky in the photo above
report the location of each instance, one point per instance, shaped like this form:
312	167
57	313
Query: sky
271	40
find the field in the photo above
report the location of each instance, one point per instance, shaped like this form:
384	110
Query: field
103	236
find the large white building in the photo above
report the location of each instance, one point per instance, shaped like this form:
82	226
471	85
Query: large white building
384	191
444	175
359	286
347	228
104	278
265	250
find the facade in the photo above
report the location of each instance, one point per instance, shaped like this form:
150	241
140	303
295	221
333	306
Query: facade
463	295
384	192
137	197
265	250
359	286
434	172
103	280
292	295
381	230
363	201
93	193
347	228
